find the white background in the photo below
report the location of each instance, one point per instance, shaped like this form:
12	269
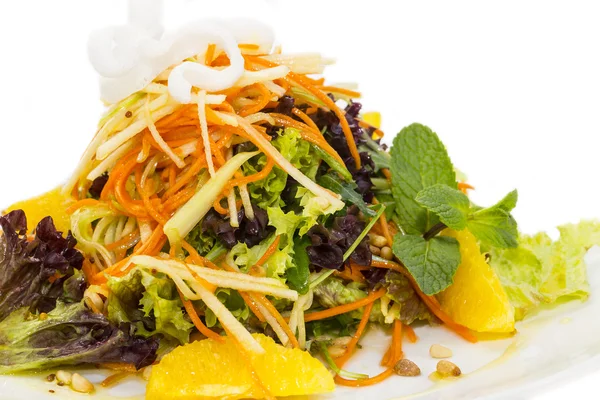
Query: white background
511	87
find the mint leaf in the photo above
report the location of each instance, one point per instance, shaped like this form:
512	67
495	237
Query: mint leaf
450	205
347	191
508	202
419	160
495	227
432	263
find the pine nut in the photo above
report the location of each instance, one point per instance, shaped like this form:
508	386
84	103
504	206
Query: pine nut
377	240
386	253
336	351
146	373
446	368
374	250
64	377
406	367
81	384
439	351
338	346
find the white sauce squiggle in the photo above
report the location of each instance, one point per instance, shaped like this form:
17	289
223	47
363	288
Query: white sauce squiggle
128	57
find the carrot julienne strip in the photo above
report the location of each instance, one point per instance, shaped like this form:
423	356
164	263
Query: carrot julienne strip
264	98
81	203
270	251
364	382
332	312
410	334
260	298
115	378
262	174
189	308
343	359
297	112
346	92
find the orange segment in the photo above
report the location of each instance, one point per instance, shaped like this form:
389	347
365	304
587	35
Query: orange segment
476	298
52	203
208	369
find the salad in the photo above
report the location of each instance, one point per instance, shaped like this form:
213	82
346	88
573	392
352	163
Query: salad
237	224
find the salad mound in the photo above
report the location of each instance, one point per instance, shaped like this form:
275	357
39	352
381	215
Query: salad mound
237	195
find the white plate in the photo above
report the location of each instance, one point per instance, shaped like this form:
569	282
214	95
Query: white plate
549	349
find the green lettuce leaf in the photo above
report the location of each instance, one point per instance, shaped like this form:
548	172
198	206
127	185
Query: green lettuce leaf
400	290
245	257
267	192
541	272
332	293
151	303
201	239
234	303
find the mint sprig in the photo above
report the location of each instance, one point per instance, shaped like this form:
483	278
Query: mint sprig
419	160
427	201
432	262
494	225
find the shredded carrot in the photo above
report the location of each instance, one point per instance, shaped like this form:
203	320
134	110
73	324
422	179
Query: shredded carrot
384	226
364	382
219	208
115	378
464	187
350	349
397	354
410	334
260	298
270	251
118	366
248	46
263	100
350	273
89	270
386	172
178	200
429	301
210	54
307	133
128	239
247	298
189	308
188	175
150	209
386	357
394	352
346	92
306	83
332	312
252	306
172	175
297	112
343	359
254	177
81	203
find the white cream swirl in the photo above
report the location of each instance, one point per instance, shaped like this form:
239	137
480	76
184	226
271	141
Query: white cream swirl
129	57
